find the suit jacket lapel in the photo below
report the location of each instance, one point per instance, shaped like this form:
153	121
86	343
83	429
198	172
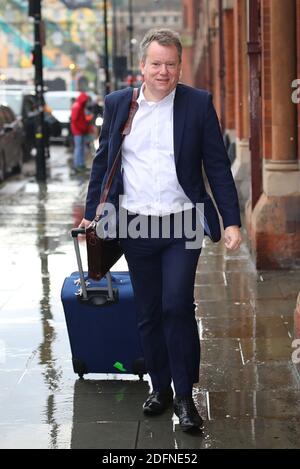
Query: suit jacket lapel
179	113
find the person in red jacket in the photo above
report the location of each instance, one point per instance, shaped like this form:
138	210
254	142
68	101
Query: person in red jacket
79	128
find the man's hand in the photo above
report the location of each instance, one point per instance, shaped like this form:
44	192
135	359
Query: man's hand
84	223
233	237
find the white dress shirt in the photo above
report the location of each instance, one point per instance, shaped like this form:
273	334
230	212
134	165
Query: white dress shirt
150	181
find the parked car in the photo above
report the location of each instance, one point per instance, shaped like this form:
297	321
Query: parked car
17	98
13	96
24	104
11	137
20	101
60	103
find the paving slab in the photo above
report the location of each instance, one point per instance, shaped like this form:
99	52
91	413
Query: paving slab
251	404
243	327
261	349
252	376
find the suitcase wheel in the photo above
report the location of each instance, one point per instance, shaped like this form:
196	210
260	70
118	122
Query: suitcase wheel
79	367
139	368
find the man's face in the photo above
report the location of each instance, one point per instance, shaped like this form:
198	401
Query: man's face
161	70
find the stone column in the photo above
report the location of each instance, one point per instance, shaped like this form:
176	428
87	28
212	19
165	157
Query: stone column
275	224
241	166
297	90
297	331
282	168
229	40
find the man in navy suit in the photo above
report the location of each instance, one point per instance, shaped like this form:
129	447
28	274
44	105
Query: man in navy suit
174	132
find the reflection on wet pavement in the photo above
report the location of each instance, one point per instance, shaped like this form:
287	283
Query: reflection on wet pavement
248	392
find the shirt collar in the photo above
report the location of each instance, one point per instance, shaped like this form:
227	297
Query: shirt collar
168	98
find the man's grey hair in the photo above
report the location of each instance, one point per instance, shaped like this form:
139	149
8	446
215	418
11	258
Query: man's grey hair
164	37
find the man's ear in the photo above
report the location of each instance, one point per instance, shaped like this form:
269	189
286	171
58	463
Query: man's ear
142	66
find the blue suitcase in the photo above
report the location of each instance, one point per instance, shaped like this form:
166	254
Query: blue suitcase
101	322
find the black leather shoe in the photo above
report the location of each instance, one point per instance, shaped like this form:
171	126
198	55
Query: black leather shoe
186	411
157	402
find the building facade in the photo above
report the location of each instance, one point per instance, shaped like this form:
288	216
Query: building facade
247	53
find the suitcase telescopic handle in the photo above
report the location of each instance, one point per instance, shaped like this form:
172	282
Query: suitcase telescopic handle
77	231
74	233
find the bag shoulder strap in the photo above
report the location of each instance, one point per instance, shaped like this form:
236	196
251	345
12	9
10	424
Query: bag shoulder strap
125	131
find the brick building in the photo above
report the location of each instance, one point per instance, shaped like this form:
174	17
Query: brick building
247	53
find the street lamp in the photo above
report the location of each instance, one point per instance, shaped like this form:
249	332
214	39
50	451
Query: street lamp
35	11
130	30
114	42
106	59
72	68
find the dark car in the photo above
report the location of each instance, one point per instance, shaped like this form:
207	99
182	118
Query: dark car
11	136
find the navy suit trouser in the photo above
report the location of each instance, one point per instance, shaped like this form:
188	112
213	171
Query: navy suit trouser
163	272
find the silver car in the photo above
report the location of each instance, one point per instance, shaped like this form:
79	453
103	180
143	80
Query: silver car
11	137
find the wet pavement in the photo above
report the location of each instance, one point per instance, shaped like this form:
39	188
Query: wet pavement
248	392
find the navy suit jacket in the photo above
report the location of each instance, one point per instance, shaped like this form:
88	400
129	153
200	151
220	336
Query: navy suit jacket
197	139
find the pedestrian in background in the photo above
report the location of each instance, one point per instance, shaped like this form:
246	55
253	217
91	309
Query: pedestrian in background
89	116
80	128
174	131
